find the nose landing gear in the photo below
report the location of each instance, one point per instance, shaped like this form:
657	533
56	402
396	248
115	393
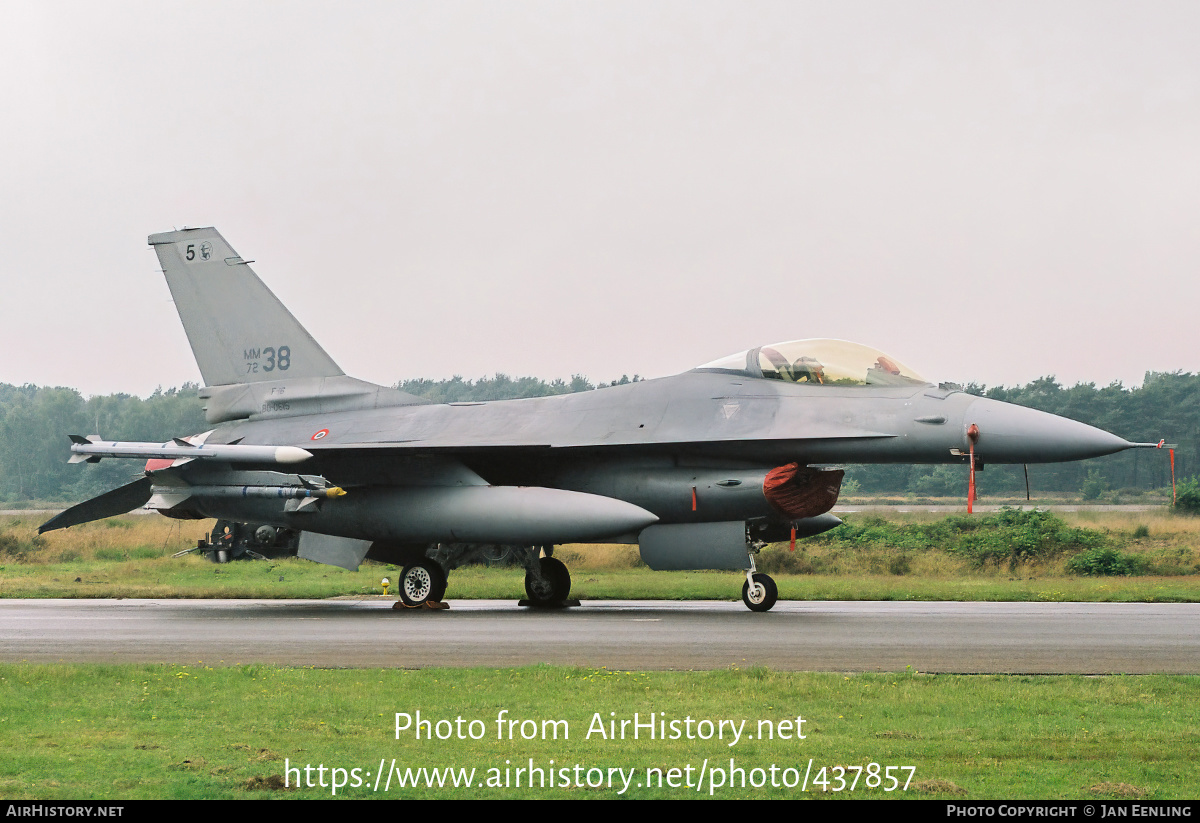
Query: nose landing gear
759	592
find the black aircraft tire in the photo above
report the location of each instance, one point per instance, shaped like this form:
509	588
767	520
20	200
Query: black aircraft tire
769	594
559	580
421	583
439	582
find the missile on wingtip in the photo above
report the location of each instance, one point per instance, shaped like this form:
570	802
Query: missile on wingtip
92	450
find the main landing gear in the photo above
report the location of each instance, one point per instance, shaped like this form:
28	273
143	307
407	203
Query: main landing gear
548	584
426	568
422	583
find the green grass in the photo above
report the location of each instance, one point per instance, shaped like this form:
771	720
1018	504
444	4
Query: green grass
192	577
132	731
904	556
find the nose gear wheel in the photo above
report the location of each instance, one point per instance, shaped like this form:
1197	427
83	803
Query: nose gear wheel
762	596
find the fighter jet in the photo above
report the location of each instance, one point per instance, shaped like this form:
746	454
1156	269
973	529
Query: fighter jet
700	470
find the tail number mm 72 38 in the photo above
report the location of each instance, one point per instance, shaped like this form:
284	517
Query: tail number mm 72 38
268	359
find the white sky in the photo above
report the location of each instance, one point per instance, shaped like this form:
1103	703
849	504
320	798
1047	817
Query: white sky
988	191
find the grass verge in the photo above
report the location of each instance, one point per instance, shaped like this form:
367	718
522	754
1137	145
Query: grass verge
135	731
1081	556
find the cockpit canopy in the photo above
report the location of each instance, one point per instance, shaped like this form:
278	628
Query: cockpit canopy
820	362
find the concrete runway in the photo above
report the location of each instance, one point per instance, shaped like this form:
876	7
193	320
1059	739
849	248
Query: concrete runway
1081	638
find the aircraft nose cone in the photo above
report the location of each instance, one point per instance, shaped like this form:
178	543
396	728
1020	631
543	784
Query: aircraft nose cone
1015	434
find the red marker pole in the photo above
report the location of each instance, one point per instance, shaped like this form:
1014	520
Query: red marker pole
1172	478
971	483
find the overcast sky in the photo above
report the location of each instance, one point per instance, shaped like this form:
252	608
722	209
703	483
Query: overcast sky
987	191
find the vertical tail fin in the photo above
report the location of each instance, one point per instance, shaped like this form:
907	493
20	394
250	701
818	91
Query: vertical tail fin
238	329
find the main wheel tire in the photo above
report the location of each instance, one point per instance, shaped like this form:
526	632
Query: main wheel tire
763	596
554	587
440	582
421	583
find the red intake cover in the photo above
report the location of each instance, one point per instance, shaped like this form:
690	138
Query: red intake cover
797	492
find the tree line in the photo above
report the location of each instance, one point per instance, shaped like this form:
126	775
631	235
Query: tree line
35	422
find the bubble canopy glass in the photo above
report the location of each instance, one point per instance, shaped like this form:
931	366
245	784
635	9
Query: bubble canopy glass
819	362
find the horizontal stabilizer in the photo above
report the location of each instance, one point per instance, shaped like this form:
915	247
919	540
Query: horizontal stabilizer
117	501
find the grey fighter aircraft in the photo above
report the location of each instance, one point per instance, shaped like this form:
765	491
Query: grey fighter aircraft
701	469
